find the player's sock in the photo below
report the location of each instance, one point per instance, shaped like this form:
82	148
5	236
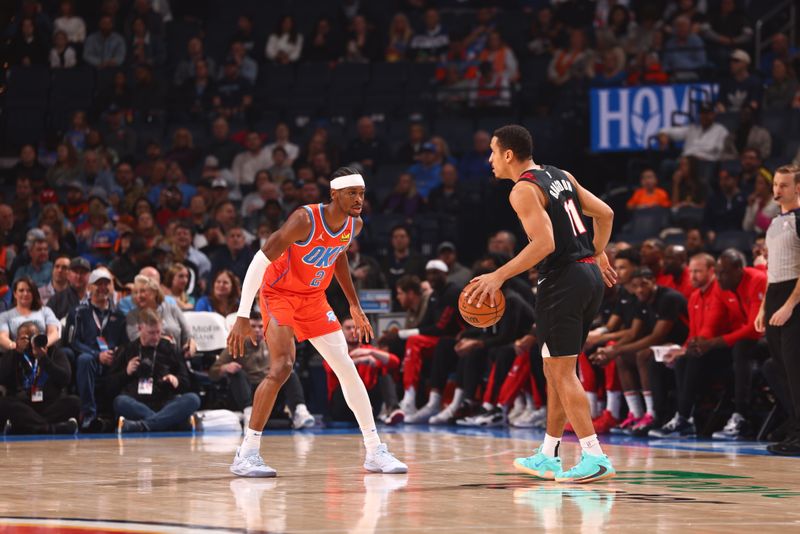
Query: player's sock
488	406
409	396
435	399
251	443
458	398
529	404
614	403
648	402
591	445
634	402
550	446
333	348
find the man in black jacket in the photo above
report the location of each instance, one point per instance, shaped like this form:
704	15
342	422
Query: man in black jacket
441	320
68	299
94	331
34	379
148	377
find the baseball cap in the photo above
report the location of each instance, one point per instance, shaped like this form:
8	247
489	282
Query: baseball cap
211	161
428	147
436	265
99	274
445	245
74	184
219	182
740	55
100	194
79	263
103	239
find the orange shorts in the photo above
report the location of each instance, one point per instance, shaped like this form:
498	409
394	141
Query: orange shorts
308	315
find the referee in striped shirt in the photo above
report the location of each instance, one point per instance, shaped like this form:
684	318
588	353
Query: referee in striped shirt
780	313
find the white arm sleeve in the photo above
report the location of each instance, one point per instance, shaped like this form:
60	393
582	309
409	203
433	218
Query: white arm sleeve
252	283
407	333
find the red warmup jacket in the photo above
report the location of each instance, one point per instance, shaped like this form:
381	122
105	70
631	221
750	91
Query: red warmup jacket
749	294
713	312
684	286
369	373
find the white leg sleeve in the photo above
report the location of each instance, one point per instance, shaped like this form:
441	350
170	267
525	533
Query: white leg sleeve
333	348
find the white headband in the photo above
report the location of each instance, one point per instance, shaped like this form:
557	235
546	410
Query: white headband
351	180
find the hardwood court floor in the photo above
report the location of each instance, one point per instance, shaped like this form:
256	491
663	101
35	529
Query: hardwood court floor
459	481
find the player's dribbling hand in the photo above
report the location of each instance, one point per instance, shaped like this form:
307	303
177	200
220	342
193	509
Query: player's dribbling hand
363	329
606	270
239	334
484	288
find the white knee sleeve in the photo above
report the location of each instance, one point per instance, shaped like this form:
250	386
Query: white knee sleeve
333	347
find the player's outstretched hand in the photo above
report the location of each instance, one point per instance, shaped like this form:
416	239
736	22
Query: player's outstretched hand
606	270
238	336
363	329
483	288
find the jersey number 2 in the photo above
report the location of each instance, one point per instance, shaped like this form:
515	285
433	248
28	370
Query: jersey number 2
317	279
574	218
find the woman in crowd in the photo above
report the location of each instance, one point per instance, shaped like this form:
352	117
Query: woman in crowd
761	208
26	306
225	292
175	283
404	199
147	294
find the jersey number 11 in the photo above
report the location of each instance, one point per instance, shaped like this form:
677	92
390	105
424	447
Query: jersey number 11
574	217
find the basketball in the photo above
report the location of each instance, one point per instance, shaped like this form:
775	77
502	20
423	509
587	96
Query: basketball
484	316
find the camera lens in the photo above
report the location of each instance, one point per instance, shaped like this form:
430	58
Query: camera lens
40	341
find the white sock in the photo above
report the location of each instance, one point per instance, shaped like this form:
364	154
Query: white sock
529	401
333	348
251	444
591	445
592	403
634	402
458	398
435	399
614	403
487	406
410	396
648	402
550	446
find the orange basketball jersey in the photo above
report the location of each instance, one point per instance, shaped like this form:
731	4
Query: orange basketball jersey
306	267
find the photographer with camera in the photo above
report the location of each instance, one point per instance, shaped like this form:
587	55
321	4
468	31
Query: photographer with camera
34	379
94	330
147	378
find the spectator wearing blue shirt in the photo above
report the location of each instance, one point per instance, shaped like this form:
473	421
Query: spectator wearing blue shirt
474	166
224	295
685	51
740	88
427	172
235	256
40	268
104	48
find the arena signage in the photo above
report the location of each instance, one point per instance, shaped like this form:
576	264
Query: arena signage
625	118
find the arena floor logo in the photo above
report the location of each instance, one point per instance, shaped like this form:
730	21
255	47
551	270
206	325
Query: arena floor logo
625	119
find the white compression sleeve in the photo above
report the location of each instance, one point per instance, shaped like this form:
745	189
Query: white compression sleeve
333	347
407	333
252	283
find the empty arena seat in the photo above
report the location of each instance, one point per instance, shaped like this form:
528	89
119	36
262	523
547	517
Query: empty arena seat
738	239
646	223
27	87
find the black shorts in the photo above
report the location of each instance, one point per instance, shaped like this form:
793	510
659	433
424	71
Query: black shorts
566	304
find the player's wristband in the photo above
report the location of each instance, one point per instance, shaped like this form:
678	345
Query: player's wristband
602	330
407	333
252	283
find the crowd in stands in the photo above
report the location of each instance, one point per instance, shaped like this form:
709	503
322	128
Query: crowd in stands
149	202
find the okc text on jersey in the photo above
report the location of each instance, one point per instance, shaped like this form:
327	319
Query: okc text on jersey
323	257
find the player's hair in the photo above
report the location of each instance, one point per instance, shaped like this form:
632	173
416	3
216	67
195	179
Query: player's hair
400	226
735	257
793	170
255	315
516	139
409	282
629	254
643	272
706	257
344	171
656	242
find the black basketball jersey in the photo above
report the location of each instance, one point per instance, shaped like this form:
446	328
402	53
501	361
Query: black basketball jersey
572	233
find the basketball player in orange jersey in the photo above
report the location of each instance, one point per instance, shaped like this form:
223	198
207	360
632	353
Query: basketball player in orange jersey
573	266
292	272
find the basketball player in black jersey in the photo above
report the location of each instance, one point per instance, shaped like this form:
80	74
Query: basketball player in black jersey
569	252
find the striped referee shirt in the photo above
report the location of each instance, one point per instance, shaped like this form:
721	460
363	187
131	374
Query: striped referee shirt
783	243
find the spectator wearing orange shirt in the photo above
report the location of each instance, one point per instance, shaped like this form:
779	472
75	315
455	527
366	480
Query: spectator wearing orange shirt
649	195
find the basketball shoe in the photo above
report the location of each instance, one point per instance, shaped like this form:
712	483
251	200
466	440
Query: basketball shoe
735	429
382	461
531	419
677	427
395	417
491	418
626	425
643	426
539	465
251	466
518	408
591	468
302	418
604	422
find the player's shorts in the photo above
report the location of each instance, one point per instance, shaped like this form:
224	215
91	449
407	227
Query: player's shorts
308	315
567	302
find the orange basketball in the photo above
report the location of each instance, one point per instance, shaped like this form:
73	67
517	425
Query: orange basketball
484	316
